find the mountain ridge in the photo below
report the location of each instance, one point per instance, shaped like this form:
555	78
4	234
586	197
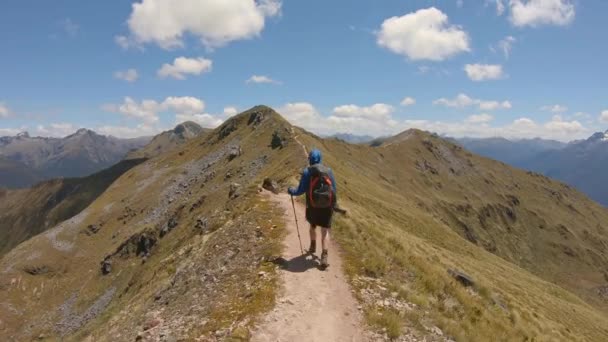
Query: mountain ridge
186	241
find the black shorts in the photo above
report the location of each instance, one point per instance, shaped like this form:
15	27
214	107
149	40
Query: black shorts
319	216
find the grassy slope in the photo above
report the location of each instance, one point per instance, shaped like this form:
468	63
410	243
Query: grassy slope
28	212
407	225
199	281
160	144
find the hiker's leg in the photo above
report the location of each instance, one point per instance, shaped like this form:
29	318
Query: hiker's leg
313	239
324	238
313	232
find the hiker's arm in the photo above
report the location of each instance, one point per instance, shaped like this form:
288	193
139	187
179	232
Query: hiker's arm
335	186
301	189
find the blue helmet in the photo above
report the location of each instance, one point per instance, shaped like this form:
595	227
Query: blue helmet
314	157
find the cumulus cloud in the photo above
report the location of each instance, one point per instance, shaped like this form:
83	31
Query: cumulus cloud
205	120
183	66
146	110
408	101
4	111
185	108
375	119
129	75
463	100
560	126
480	118
494	105
140	130
58	130
423	35
261	79
484	72
555	108
230	111
215	23
541	12
10	131
604	116
184	104
305	115
378	111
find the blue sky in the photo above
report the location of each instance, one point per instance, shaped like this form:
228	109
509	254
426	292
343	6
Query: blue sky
516	68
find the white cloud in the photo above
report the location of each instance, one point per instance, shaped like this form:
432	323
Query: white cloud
262	79
604	116
230	111
374	112
375	119
140	130
484	72
305	115
301	114
541	12
183	66
423	35
561	127
505	46
205	120
408	101
129	75
480	118
58	130
183	105
185	108
4	111
214	22
10	131
555	108
70	27
463	100
146	110
494	105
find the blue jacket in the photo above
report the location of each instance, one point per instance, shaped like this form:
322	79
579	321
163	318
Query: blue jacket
305	183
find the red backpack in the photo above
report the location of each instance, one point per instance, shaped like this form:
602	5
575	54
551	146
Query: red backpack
321	191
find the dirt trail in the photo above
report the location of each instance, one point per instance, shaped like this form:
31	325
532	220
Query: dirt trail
314	305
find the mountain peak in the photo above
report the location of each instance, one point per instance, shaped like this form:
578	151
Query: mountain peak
23	135
188	129
599	136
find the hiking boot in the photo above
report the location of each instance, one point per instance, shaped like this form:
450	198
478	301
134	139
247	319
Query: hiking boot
324	261
313	247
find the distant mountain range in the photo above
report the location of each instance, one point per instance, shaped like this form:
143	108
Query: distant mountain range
580	163
169	139
353	138
25	160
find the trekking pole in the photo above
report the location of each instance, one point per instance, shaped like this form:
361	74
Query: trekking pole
297	228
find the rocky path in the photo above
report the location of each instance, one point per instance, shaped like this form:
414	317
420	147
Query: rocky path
314	305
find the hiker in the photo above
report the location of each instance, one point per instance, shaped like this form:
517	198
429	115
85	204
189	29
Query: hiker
318	183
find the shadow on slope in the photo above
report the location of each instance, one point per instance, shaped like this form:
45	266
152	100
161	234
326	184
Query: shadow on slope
28	212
